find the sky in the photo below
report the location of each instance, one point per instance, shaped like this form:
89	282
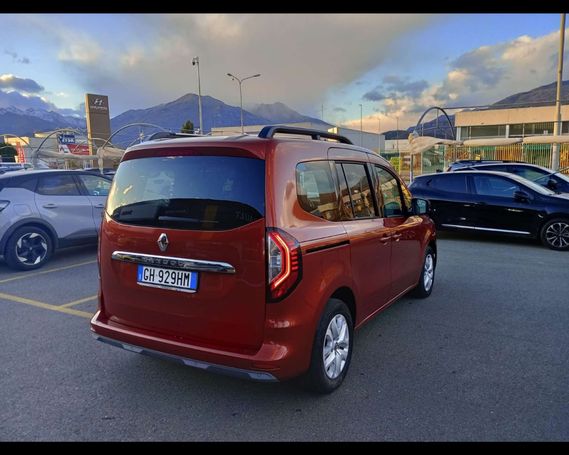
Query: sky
394	65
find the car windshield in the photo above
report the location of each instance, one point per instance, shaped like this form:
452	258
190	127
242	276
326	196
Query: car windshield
535	186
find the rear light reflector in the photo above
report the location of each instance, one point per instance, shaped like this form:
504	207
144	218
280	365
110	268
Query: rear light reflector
284	264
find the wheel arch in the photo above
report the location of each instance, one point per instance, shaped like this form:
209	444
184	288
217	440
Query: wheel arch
33	222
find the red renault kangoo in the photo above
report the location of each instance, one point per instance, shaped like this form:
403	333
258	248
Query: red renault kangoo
257	256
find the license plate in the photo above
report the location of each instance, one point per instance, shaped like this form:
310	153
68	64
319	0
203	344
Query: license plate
176	280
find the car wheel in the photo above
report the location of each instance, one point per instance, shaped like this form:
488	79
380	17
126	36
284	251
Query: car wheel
332	348
555	234
427	278
28	248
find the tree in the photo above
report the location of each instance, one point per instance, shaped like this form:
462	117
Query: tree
7	152
187	127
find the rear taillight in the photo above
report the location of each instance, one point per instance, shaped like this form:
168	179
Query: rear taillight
284	264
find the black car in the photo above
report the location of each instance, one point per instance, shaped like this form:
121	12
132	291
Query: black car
543	176
465	164
496	202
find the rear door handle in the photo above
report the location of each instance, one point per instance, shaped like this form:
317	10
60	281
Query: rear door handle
50	206
396	237
385	239
100	206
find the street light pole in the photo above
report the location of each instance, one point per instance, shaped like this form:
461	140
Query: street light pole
361	125
557	122
196	61
240	81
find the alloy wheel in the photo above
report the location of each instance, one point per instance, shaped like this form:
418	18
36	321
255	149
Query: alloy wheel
557	234
336	346
428	272
31	248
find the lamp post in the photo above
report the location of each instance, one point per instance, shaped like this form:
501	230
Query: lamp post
196	62
235	78
557	122
361	125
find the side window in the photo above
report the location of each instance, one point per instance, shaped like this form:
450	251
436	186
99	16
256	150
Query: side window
95	186
58	185
345	199
360	190
452	183
389	186
316	190
407	196
489	185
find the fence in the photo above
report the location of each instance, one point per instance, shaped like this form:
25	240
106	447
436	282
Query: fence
440	156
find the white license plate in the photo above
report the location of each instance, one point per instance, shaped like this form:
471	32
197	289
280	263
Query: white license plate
177	280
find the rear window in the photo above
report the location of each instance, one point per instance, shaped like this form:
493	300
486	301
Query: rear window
452	183
209	193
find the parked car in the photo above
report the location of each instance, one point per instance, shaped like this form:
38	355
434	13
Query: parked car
460	164
554	180
496	202
257	256
108	171
10	167
42	210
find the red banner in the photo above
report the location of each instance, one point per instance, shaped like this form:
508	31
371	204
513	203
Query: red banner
21	155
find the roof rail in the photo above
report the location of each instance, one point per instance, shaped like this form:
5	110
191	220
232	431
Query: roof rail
171	135
269	131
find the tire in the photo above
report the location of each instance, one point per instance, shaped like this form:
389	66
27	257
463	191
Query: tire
427	278
28	248
555	234
327	340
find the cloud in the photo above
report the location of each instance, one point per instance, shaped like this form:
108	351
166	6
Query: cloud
16	58
374	95
26	101
339	109
9	81
296	54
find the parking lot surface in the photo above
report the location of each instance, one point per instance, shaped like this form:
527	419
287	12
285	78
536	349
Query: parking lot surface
484	358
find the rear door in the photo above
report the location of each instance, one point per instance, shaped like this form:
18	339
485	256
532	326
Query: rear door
97	189
60	202
206	213
450	199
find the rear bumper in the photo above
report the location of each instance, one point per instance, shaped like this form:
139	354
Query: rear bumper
214	368
275	360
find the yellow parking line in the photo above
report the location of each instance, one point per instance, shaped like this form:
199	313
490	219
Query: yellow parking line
47	306
57	269
77	302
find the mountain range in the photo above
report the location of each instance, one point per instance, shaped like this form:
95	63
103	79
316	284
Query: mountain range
216	113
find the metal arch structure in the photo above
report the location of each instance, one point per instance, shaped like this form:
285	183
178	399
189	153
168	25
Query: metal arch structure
437	108
415	132
130	125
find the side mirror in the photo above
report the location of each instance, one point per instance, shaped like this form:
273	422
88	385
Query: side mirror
420	206
521	196
552	184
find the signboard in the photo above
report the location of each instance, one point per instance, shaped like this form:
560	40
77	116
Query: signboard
67	138
21	157
98	119
75	149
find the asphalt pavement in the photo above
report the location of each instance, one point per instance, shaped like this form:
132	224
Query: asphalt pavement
484	358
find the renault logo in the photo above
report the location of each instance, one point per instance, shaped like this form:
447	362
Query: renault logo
163	242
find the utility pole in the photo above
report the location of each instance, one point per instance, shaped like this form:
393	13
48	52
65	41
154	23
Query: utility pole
557	122
379	135
361	125
322	112
196	62
397	136
240	81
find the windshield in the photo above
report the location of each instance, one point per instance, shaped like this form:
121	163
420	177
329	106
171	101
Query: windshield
189	192
536	187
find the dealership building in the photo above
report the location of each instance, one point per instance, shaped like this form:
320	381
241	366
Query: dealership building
517	122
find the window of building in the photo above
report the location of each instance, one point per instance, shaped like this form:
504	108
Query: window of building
316	190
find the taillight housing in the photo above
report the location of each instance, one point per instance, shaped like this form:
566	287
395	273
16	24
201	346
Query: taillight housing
284	264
